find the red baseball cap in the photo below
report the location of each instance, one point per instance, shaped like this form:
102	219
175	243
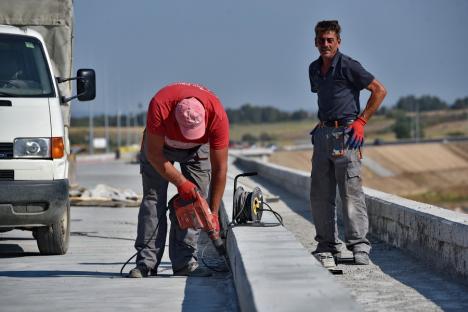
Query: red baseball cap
190	115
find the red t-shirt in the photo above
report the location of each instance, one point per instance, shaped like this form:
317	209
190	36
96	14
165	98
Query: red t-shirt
161	116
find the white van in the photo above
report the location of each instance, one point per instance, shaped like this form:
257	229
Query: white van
33	142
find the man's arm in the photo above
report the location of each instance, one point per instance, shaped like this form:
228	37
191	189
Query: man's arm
356	129
218	159
378	93
154	145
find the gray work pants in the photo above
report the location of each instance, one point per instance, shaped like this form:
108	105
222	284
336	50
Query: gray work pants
195	166
329	171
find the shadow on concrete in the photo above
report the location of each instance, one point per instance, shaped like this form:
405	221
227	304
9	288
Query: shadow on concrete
15	251
446	292
214	293
162	264
56	273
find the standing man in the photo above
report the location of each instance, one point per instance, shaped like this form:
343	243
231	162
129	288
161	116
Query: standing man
186	123
338	79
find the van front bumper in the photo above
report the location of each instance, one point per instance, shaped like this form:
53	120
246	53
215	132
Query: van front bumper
32	203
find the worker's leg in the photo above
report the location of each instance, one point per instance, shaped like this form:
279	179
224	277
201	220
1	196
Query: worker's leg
323	193
152	211
183	243
356	223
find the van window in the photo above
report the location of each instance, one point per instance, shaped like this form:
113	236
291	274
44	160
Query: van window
23	68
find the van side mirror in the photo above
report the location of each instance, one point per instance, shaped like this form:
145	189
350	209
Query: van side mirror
86	84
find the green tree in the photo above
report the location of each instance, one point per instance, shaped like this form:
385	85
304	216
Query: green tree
402	127
249	138
265	137
424	103
460	103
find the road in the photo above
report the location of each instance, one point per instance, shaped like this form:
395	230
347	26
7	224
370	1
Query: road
87	277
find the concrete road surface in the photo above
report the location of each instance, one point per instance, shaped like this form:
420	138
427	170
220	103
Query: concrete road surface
87	277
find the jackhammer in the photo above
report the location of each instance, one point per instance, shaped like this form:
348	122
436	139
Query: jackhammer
196	214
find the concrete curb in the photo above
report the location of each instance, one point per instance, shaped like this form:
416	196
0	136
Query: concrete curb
272	271
433	234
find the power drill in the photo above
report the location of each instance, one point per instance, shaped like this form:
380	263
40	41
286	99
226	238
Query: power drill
196	214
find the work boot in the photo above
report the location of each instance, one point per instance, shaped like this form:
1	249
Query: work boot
325	258
139	272
361	258
193	270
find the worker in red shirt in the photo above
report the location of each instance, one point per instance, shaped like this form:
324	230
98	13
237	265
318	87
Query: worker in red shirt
186	123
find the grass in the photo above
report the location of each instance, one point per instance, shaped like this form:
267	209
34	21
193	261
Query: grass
292	132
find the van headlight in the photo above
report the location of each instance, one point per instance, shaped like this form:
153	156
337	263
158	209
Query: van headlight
31	148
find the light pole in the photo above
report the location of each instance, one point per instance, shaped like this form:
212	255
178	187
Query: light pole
91	130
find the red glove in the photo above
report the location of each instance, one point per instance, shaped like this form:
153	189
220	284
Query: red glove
187	190
356	133
215	220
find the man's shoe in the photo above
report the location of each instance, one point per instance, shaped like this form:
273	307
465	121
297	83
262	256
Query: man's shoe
193	270
138	272
361	258
326	259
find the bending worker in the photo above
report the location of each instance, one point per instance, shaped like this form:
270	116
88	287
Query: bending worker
338	79
186	123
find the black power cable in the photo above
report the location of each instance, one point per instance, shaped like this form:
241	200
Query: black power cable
145	245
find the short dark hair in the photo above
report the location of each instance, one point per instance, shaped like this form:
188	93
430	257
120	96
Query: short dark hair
324	26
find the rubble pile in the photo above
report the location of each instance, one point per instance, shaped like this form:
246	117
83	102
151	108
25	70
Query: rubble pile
103	195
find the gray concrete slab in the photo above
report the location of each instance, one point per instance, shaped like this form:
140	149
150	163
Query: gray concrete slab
274	272
87	277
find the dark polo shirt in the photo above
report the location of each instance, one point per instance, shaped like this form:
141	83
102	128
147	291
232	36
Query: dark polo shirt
338	91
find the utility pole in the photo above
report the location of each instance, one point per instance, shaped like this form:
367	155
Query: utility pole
127	128
91	130
106	119
119	134
417	123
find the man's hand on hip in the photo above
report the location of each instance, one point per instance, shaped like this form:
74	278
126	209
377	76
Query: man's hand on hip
187	190
356	133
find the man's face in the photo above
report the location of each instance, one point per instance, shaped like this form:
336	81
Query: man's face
327	43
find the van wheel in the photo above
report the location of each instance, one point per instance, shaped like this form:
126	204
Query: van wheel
53	240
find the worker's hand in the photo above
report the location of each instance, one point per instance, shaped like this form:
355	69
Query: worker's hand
187	190
356	133
215	220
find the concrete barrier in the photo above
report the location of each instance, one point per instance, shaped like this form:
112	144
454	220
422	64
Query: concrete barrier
435	235
272	271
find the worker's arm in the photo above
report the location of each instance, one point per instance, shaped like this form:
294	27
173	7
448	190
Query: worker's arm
218	159
356	129
154	149
378	93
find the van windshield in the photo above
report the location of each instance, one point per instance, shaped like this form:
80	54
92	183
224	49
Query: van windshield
23	68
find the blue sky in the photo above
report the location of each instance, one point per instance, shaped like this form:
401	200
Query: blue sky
258	51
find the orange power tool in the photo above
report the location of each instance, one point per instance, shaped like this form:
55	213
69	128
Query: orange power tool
197	214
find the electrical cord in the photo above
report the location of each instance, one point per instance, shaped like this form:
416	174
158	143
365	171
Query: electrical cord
202	258
145	245
276	214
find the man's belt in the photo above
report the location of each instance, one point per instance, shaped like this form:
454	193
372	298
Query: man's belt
336	123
